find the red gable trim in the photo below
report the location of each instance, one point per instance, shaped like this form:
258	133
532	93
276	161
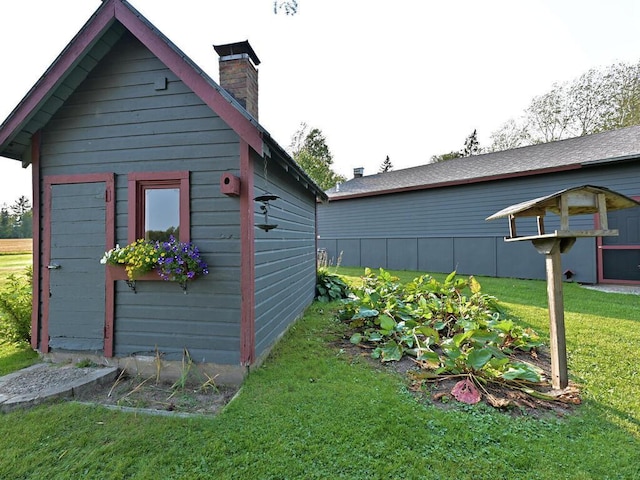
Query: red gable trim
101	20
115	10
192	78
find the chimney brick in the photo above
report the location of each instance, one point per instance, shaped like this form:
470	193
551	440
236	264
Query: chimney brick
239	75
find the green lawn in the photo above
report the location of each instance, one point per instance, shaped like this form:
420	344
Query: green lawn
13	263
312	411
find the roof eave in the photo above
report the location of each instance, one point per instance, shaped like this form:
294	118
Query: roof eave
165	50
292	167
453	183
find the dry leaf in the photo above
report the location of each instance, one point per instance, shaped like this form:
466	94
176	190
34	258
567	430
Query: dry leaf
498	402
465	391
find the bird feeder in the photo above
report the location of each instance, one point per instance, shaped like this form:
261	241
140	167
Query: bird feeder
582	200
265	199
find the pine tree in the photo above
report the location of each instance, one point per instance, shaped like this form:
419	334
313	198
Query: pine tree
386	165
471	145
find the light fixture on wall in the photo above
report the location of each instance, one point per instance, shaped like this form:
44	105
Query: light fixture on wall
265	198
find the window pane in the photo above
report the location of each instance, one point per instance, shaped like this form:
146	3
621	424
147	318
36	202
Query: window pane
161	213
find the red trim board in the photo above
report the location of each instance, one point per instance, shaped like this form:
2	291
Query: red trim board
35	192
247	258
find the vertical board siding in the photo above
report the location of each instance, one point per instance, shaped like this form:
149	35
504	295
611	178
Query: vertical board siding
117	121
449	226
77	237
285	257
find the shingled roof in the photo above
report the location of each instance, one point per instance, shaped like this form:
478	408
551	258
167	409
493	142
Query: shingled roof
573	153
84	52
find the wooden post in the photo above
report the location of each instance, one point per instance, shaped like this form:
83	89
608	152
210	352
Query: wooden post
552	250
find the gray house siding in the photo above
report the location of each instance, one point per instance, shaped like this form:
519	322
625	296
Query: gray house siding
443	229
284	257
118	121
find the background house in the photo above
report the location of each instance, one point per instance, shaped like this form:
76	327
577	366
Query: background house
121	119
432	217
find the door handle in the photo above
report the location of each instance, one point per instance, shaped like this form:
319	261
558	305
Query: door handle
53	266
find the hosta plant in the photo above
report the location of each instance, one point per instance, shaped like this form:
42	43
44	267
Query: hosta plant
448	327
329	286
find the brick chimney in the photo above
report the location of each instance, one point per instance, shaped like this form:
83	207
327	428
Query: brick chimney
238	73
358	172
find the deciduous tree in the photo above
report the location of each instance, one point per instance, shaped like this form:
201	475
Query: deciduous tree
310	150
598	100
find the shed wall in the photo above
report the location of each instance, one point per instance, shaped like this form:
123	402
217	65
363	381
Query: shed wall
122	120
285	257
444	229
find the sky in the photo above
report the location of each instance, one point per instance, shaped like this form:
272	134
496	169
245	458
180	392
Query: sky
403	78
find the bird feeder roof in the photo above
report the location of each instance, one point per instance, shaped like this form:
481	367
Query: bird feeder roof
581	200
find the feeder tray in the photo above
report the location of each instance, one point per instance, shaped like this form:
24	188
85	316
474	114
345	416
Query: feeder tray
267	197
266	226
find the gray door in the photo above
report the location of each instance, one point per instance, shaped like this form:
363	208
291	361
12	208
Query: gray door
76	277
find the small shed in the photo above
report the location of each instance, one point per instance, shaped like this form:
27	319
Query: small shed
120	123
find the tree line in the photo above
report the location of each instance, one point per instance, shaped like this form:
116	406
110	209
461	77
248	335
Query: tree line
16	220
599	100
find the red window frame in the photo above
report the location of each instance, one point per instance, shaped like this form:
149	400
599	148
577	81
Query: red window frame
139	182
600	247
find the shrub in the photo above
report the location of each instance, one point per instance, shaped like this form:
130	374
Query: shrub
15	308
329	286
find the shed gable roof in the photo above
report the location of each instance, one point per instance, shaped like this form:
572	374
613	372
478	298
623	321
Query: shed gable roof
574	153
89	46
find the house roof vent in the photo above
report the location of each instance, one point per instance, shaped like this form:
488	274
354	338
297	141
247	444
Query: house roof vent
358	172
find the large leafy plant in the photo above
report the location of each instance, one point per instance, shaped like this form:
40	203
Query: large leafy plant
448	327
329	286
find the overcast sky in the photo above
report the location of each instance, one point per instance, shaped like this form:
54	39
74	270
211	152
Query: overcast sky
404	78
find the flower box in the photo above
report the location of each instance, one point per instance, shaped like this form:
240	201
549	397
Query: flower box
155	261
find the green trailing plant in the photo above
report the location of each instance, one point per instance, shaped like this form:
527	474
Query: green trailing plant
448	327
15	307
172	260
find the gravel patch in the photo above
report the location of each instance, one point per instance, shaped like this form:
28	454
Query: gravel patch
37	380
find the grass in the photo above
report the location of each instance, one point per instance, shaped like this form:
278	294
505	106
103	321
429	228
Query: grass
14	357
312	411
15	256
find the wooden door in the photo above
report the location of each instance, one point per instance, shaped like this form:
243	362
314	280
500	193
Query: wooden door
74	290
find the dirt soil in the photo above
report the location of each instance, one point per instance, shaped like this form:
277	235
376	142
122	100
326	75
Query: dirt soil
438	390
199	397
202	398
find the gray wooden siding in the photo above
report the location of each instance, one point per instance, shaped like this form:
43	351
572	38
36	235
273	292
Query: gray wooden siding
285	257
118	122
443	229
